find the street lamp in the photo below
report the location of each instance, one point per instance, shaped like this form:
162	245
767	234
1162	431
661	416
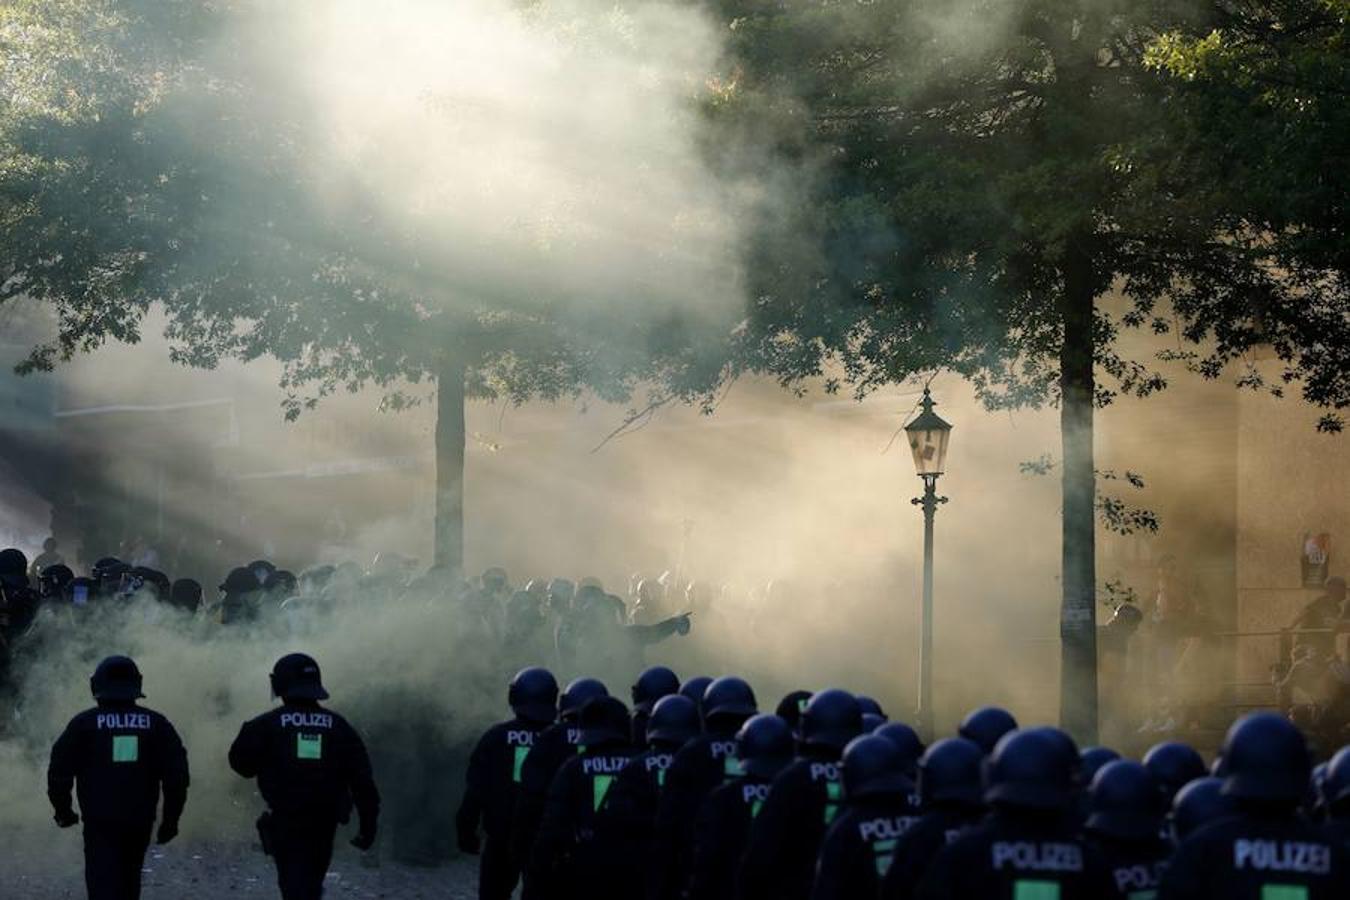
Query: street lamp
928	438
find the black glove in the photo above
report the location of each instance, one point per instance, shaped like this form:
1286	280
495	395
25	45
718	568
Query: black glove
167	832
364	840
67	817
469	843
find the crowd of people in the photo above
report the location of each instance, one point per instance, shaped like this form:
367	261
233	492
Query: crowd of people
686	789
690	792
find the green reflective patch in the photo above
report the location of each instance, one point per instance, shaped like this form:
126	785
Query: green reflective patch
1284	892
834	791
126	748
660	777
755	808
885	852
1035	890
1142	895
731	767
831	811
600	787
581	748
308	746
519	764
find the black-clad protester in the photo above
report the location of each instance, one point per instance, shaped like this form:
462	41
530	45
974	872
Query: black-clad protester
700	765
312	767
118	756
1028	848
1197	804
653	684
780	857
859	847
1264	850
1125	818
764	747
986	726
492	782
567	861
1336	797
950	792
553	746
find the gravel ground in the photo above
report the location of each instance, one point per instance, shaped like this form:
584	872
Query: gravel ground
188	871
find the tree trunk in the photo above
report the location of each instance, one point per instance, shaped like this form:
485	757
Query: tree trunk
1078	612
450	468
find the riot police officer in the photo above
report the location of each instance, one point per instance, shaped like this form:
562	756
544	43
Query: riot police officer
118	756
701	765
764	747
1028	847
986	725
1173	765
492	782
1264	849
566	853
653	684
1125	817
311	767
907	741
785	838
629	814
858	848
552	747
949	789
1336	797
1197	804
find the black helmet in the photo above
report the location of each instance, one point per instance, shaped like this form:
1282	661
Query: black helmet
1200	802
604	720
695	688
186	594
873	765
764	746
872	721
653	684
870	706
731	697
674	720
261	570
577	694
986	725
1124	802
906	740
1031	768
1336	784
116	678
13	562
240	581
297	677
1093	759
1172	765
281	581
831	719
109	568
1266	758
949	772
790	707
533	695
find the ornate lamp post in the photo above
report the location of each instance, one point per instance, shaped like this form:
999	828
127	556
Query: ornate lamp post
928	438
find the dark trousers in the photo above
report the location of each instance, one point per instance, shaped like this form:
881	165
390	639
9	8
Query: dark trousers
302	851
113	856
497	873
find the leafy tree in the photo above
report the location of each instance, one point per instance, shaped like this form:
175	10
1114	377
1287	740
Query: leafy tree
988	176
151	157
